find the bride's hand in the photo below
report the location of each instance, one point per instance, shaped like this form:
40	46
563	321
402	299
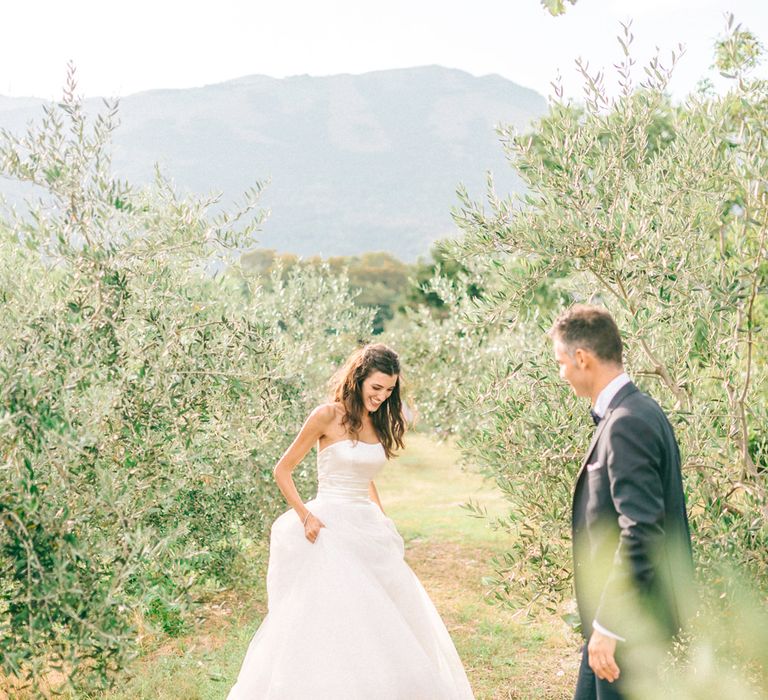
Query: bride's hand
312	526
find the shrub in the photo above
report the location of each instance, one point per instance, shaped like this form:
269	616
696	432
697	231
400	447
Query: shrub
148	388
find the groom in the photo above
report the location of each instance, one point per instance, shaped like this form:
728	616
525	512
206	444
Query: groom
631	543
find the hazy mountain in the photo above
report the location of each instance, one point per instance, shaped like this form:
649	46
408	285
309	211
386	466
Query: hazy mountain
357	162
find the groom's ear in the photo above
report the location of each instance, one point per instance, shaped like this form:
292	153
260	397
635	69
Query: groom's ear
583	358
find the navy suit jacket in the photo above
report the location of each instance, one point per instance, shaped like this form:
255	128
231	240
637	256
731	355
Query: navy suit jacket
632	548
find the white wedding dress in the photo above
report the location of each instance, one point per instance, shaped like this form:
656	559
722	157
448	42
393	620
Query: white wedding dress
347	619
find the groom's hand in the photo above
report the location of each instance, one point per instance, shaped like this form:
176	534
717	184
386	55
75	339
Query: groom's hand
601	650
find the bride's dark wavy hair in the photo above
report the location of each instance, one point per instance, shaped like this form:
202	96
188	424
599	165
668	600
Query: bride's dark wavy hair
347	388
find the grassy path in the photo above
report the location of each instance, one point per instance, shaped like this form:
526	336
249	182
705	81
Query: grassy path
505	657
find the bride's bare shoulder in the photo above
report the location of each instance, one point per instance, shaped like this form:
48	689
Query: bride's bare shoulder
327	413
326	420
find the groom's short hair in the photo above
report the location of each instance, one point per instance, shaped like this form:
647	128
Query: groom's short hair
591	328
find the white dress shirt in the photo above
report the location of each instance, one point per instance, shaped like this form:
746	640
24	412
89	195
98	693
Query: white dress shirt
604	399
610	390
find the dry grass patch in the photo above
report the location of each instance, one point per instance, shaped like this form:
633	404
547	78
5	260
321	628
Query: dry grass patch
506	656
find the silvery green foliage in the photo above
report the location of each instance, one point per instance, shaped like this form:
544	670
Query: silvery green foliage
440	354
660	213
479	378
556	7
144	399
314	319
449	351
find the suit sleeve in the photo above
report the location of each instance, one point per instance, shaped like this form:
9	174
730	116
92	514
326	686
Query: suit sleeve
634	459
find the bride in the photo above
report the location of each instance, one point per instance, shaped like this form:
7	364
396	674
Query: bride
348	619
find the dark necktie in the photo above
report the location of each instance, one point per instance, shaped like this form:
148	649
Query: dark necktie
596	418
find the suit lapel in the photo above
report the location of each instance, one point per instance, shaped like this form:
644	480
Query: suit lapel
593	443
621	394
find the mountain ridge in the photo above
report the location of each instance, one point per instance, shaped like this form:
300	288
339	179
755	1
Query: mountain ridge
357	162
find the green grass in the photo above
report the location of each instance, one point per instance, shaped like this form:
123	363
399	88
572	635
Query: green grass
506	656
423	491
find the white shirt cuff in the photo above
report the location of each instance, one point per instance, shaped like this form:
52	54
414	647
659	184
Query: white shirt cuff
597	626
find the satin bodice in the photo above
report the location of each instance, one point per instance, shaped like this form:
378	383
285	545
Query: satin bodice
345	468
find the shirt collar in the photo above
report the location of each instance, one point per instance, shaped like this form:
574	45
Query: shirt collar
610	390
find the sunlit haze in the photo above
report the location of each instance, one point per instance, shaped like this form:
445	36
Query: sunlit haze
120	49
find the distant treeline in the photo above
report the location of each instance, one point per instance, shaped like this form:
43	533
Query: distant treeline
380	280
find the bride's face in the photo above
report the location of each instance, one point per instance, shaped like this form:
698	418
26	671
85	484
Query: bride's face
377	388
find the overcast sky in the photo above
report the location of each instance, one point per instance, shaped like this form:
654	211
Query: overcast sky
121	48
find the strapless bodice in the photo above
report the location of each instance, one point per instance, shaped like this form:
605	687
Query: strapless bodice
345	468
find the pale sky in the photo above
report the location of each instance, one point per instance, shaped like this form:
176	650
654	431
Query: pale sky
126	47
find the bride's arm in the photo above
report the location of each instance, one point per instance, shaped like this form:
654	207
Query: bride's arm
312	430
373	494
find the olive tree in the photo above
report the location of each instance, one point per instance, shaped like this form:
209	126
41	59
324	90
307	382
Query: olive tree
659	212
148	388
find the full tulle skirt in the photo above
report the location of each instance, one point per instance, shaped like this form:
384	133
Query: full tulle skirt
347	618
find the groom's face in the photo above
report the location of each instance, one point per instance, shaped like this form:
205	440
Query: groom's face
574	368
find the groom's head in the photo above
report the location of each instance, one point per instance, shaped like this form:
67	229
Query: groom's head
588	348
